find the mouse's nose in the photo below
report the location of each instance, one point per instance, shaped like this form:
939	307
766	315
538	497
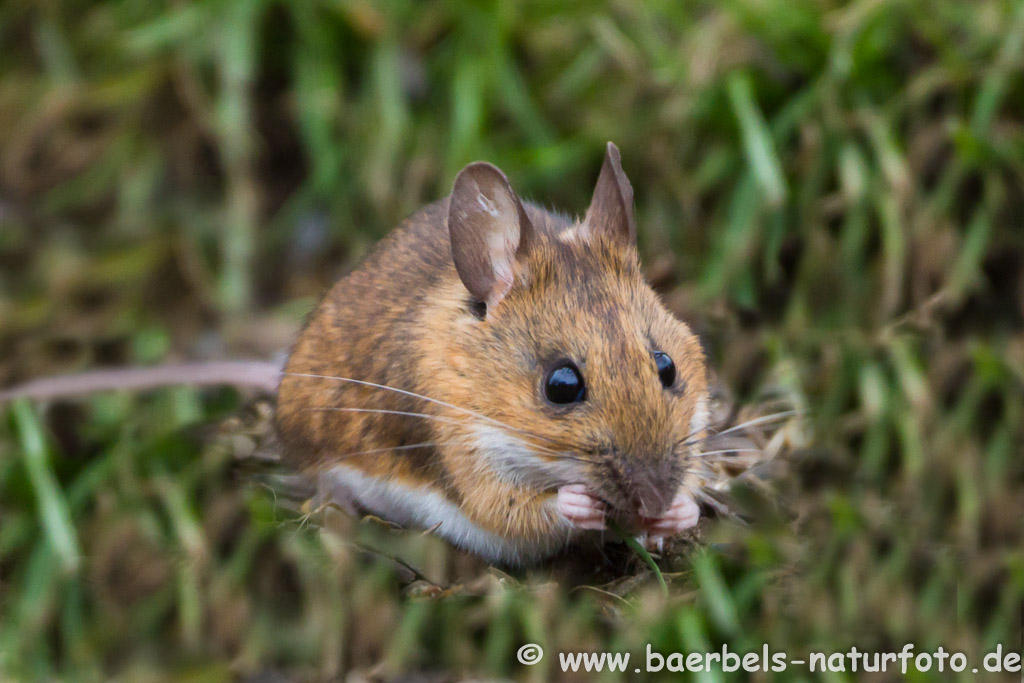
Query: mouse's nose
650	485
654	506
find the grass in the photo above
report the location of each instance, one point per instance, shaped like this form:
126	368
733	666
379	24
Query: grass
830	192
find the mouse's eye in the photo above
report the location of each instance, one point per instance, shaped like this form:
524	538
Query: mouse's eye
564	384
666	368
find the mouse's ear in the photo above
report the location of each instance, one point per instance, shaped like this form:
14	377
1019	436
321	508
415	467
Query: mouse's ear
611	209
489	231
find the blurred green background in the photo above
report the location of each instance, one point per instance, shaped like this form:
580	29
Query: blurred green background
830	191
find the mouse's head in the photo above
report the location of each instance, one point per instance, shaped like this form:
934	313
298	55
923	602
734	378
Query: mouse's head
579	372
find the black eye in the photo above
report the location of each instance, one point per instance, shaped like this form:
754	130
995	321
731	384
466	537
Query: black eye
666	368
564	384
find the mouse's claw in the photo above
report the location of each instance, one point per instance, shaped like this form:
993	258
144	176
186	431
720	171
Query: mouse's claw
582	510
650	542
655	543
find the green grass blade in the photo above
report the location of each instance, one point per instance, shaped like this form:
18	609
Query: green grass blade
757	142
54	514
636	547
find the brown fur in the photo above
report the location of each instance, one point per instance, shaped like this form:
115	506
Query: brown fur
405	319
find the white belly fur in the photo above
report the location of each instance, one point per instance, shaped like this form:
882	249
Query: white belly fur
421	508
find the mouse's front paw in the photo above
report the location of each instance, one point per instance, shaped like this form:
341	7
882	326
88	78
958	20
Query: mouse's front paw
582	510
683	514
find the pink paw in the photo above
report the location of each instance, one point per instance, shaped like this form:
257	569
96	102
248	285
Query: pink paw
581	509
683	514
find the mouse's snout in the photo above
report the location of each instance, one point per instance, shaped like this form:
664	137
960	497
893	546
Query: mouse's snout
641	486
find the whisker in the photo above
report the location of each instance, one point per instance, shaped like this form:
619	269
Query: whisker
685	438
566	455
415	395
728	450
764	419
445	420
743	424
565	452
719	506
425	444
426	416
406	413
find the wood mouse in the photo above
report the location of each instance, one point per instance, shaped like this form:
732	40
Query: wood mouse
503	375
